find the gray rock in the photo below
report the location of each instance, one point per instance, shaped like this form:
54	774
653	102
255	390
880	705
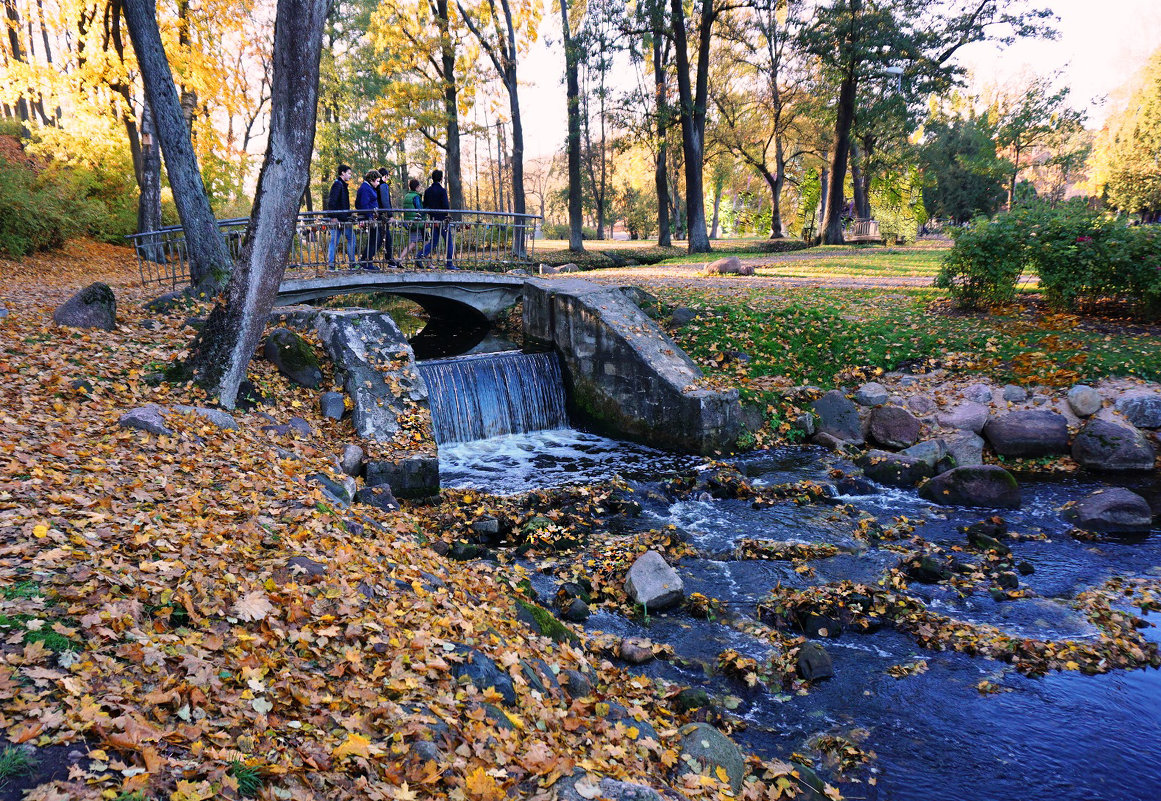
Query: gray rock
681	316
293	357
704	748
95	306
893	469
1015	394
804	423
920	404
576	611
3	312
332	405
689	699
965	416
1114	510
1143	409
478	670
978	393
1028	433
814	663
871	394
652	583
575	683
838	417
351	462
894	427
487	527
643	300
146	418
333	490
1084	401
411	477
301	426
305	566
932	452
217	417
978	485
966	448
378	496
627	791
1104	445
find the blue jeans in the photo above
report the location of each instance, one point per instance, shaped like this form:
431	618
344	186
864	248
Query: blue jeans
436	233
340	230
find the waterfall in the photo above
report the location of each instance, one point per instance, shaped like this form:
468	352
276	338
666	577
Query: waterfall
492	394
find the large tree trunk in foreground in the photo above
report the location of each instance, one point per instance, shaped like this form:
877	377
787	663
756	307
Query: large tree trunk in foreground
693	108
209	261
831	227
447	60
572	92
226	344
149	180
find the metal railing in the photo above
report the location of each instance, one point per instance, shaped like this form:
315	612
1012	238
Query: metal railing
324	243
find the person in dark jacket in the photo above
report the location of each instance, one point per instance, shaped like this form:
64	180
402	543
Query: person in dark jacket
436	202
339	202
367	207
385	217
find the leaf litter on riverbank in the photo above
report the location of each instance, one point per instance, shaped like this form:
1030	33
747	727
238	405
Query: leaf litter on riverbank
191	657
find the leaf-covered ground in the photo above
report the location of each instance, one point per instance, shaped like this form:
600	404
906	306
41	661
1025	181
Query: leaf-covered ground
155	626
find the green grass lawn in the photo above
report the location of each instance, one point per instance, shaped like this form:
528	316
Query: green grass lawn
813	335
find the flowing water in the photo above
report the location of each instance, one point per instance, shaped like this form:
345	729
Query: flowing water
934	736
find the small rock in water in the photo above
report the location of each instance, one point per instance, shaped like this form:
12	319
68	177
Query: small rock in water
814	663
1008	580
635	652
577	611
689	699
652	583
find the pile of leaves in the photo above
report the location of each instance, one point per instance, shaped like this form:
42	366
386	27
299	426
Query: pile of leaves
192	615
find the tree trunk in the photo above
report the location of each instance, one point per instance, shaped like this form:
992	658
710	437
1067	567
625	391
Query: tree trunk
226	344
16	54
693	106
572	92
862	207
149	182
455	186
831	227
209	261
718	184
774	184
660	178
518	201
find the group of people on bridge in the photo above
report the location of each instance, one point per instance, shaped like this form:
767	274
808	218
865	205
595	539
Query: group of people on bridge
424	221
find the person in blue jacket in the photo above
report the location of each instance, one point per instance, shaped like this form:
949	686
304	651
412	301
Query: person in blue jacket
435	201
367	208
339	203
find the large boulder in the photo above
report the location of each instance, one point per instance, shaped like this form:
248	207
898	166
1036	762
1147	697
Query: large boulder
376	366
1104	445
95	306
894	469
653	583
1084	401
838	417
966	416
1113	510
894	427
978	485
147	418
813	663
1028	433
704	749
409	477
1143	409
293	357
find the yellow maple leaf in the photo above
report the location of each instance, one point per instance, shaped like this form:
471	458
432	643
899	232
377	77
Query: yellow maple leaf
723	777
480	785
355	745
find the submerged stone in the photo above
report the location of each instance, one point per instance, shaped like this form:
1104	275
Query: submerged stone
1114	510
980	485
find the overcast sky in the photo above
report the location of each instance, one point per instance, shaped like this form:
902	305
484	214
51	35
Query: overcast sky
1102	43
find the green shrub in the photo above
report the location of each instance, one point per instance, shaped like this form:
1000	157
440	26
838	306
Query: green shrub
33	211
1080	257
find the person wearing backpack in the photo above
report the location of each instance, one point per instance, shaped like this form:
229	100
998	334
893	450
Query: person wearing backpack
339	203
386	214
413	217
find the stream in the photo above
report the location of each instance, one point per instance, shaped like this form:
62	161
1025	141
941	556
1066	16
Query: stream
933	734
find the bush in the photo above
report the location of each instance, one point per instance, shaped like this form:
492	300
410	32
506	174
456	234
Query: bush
33	211
1080	257
560	231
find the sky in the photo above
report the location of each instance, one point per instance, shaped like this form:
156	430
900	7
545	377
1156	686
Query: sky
1102	44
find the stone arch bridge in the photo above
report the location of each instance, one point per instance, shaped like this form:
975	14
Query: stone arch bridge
441	293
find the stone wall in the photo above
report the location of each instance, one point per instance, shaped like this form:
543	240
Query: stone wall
625	376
